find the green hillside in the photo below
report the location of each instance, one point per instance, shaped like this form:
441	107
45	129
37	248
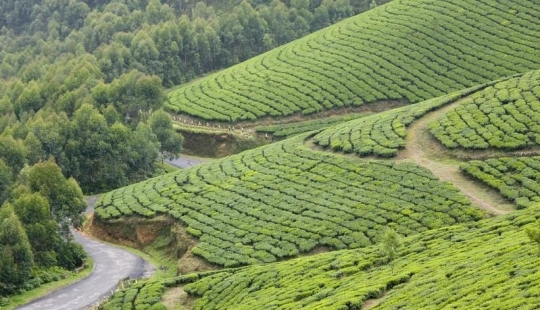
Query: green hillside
489	264
292	129
382	134
517	179
286	199
503	116
404	50
274	202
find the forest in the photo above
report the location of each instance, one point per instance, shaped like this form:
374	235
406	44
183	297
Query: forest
82	86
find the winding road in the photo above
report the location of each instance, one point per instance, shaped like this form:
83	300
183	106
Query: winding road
111	265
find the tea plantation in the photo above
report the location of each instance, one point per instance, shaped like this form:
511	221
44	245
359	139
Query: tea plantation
274	202
407	50
517	179
382	134
292	226
291	129
503	116
489	264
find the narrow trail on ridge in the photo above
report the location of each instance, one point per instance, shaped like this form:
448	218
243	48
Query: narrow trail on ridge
423	150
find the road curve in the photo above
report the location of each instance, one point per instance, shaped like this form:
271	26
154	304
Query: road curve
111	265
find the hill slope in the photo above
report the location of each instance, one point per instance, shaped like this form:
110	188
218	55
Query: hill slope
284	199
484	265
488	264
503	116
412	50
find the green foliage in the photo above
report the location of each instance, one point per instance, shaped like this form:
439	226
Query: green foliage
16	259
170	140
34	149
273	202
13	154
289	130
390	245
482	265
175	40
410	50
504	116
35	215
36	246
517	179
131	94
140	295
381	134
64	195
97	150
6	180
533	232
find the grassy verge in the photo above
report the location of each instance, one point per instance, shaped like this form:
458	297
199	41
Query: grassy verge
48	288
165	267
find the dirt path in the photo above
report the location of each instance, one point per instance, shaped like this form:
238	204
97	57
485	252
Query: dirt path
372	303
423	150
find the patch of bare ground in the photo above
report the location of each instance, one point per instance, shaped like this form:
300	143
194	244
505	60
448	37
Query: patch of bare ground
424	150
372	303
177	299
160	233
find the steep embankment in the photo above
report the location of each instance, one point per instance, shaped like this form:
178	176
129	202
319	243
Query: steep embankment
411	49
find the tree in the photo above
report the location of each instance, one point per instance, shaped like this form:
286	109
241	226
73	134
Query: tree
171	142
534	235
6	180
64	195
16	258
34	213
34	149
13	154
146	147
390	245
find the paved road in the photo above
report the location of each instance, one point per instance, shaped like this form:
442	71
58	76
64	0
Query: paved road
184	162
111	264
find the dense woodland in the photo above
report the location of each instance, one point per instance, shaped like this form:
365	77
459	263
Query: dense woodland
82	83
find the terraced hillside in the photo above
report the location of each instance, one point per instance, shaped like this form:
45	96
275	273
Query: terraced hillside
292	129
286	199
504	116
489	264
405	50
485	265
517	179
381	134
274	202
